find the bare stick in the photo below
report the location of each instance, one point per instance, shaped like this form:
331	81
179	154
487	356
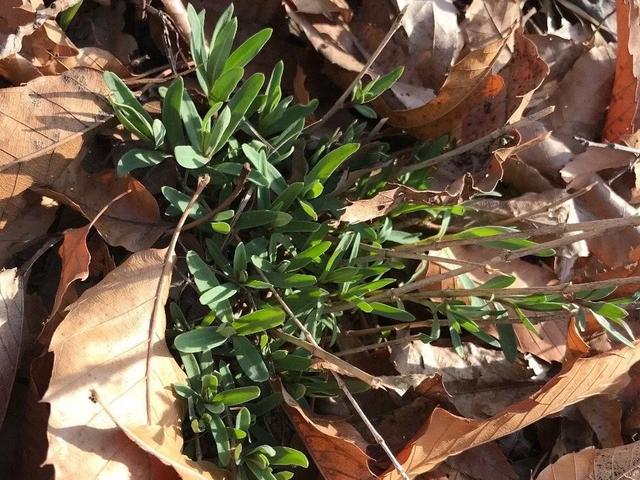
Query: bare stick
563	288
336	361
397	327
593	225
340	101
475	143
165	278
611	146
376	346
246	169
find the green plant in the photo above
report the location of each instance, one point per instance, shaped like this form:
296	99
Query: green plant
279	188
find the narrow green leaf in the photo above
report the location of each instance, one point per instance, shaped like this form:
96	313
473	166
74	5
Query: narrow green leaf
226	84
380	85
258	218
139	158
250	360
188	157
171	112
307	256
259	321
289	456
248	49
199	340
330	162
218	294
388	311
499	282
221	439
237	396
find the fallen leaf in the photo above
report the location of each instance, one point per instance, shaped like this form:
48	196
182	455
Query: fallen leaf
165	443
433	37
606	464
488	20
472	380
75	256
468	83
577	173
11	319
42	128
383	202
604	415
102	345
622	116
337	447
445	434
591	76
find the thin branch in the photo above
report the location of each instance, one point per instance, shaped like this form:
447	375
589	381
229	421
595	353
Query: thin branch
563	288
165	278
246	169
317	350
376	346
176	11
593	225
475	143
397	23
534	317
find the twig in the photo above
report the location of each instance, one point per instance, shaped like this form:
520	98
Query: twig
339	103
13	41
396	293
396	327
389	253
317	350
563	288
246	169
593	225
611	146
177	12
241	207
165	278
475	143
376	346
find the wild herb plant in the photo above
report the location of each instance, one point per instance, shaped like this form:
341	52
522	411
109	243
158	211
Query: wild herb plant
277	189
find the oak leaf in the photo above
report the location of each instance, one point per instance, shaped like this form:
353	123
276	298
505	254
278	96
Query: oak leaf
446	434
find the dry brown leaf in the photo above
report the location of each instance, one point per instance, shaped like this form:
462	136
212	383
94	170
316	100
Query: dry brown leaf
488	20
604	416
433	37
589	464
521	77
591	77
41	129
469	82
445	434
472	381
11	320
577	173
165	443
337	447
622	116
102	345
380	205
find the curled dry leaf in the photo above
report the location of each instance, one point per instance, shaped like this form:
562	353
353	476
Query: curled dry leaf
488	20
42	128
11	319
102	345
468	83
607	464
337	447
445	434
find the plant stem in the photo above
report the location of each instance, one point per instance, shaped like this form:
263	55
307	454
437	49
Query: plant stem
321	353
376	346
165	278
246	169
339	103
